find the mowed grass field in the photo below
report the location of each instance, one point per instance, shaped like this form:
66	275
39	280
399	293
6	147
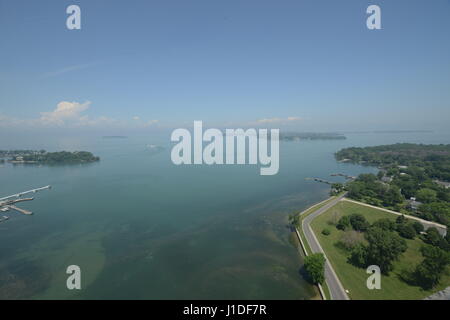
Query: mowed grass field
353	278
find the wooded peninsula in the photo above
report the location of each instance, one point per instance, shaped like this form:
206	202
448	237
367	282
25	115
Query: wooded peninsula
44	157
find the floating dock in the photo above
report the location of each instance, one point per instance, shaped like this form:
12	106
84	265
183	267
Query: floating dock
20	210
8	203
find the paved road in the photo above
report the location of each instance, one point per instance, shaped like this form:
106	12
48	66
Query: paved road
337	292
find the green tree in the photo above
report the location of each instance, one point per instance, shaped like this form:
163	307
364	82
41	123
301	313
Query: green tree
385	224
315	267
400	219
358	256
437	211
393	171
432	236
384	247
426	195
392	196
294	219
429	272
336	188
359	222
418	227
406	230
343	223
380	174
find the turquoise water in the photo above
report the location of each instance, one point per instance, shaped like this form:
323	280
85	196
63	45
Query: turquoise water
142	228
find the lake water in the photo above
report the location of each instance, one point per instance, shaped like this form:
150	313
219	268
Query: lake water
140	227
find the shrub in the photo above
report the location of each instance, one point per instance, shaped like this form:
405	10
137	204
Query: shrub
359	222
343	223
401	219
385	224
326	232
358	256
418	227
406	231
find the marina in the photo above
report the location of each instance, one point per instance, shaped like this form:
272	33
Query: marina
8	203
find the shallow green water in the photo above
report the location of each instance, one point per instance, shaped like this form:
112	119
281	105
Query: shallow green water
141	228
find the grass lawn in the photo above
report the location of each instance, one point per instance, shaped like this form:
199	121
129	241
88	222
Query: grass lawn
353	278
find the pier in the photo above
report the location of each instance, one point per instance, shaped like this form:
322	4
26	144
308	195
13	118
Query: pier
20	210
18	195
23	199
8	203
346	176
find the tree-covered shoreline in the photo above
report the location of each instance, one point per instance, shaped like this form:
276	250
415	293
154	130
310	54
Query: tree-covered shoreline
412	178
433	158
44	157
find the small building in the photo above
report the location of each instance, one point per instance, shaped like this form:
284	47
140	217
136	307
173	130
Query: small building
413	204
386	179
444	184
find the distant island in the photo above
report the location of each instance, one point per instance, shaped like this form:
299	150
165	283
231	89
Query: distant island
114	137
298	136
44	157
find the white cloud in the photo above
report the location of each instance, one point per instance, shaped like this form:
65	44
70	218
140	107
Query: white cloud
65	112
279	120
72	115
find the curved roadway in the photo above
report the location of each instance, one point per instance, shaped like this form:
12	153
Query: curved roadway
335	287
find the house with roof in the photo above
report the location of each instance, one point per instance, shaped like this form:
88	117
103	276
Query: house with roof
413	204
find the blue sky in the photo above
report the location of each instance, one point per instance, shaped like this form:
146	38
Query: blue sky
303	65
